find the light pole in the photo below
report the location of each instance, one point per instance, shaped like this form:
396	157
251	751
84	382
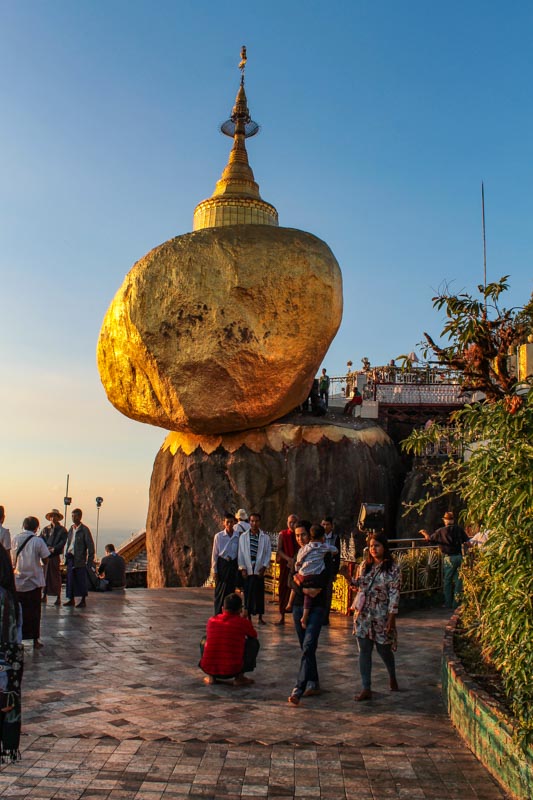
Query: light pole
99	501
67	500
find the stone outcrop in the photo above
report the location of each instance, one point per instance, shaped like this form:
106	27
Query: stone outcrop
414	489
222	329
312	469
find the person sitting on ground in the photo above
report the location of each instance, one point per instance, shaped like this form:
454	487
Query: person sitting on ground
113	569
310	564
318	405
230	646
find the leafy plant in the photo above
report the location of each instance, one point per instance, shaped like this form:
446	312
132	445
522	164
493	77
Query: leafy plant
481	333
492	473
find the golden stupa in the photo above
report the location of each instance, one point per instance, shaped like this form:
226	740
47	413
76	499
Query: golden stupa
222	329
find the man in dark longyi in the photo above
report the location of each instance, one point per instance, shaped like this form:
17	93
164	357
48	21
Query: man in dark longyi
55	538
79	554
224	564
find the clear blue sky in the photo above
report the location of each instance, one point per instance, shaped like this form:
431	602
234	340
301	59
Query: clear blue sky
379	121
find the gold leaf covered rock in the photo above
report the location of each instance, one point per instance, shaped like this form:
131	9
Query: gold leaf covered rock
222	329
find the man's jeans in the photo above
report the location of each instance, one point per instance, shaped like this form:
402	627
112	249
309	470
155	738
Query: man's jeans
308	638
450	574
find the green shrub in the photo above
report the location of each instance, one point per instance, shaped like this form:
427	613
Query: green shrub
493	474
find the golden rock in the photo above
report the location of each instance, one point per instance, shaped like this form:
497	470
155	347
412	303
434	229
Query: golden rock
222	329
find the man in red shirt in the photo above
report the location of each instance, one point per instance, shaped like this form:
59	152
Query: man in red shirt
230	647
285	556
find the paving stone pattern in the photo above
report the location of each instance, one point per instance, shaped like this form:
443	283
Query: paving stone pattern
115	707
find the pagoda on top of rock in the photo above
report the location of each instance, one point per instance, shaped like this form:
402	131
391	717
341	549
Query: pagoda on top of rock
222	329
236	199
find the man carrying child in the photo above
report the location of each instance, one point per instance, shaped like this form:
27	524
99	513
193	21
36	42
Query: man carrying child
307	682
309	565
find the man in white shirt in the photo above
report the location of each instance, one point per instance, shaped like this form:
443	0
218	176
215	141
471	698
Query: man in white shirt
29	553
254	557
5	536
224	561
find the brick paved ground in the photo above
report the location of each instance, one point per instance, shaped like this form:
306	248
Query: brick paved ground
115	708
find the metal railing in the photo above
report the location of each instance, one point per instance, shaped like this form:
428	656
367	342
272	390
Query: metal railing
426	384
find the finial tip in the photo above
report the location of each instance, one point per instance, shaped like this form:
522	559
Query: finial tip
243	58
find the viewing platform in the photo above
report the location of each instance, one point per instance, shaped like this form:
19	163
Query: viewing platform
115	708
401	399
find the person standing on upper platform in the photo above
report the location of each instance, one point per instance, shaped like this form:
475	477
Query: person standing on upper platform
241	525
323	387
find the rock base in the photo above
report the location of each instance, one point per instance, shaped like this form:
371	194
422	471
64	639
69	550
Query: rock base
314	469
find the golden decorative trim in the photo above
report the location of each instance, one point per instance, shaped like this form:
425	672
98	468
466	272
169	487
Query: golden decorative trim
273	437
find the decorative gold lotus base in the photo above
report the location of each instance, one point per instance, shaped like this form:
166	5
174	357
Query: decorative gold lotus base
275	437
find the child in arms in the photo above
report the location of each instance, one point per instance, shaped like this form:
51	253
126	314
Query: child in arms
309	566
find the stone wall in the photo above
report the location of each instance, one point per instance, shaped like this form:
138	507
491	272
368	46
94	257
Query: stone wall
484	725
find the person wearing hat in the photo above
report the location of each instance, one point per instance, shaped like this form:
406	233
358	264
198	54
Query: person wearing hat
450	540
242	522
242	526
55	538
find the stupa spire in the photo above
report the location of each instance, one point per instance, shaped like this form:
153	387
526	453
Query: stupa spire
236	199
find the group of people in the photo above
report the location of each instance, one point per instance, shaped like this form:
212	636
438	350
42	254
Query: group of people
239	559
36	561
309	559
30	571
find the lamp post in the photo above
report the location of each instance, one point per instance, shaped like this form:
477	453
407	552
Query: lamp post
99	501
67	500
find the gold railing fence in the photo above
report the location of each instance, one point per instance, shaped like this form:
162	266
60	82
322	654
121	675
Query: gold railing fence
420	569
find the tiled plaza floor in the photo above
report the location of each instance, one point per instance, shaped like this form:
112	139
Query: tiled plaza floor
115	708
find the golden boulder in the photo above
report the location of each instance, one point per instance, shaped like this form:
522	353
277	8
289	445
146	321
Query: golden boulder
222	329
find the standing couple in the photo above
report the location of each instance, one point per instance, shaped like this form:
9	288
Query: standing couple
240	557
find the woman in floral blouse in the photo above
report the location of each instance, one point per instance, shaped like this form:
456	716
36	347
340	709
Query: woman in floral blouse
378	584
